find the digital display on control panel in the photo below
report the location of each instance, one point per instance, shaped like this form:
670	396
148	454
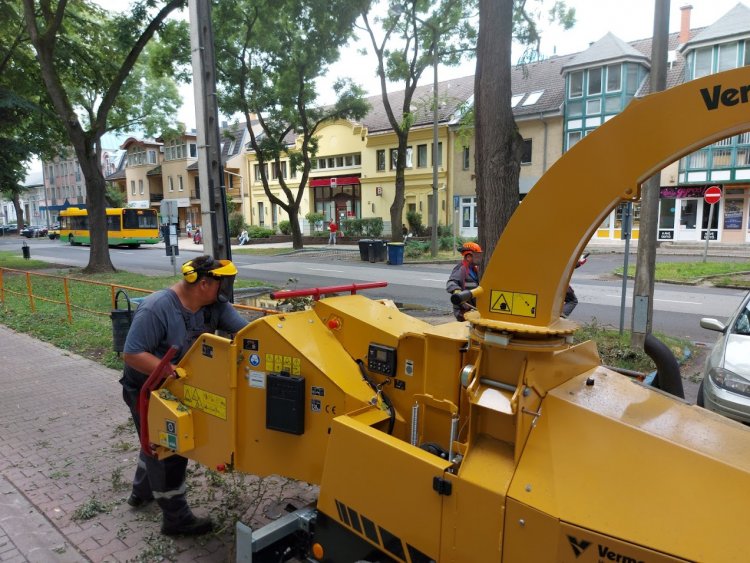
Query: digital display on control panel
381	359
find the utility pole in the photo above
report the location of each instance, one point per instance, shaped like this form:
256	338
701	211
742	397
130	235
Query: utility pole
643	289
214	219
435	145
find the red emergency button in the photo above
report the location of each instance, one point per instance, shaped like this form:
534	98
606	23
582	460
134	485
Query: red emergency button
334	323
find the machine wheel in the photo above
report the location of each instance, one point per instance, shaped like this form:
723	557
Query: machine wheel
134	246
699	398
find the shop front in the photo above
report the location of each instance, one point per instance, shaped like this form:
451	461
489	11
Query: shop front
337	197
684	214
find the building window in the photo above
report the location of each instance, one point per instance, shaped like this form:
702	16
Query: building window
152	157
614	78
439	153
573	138
421	156
132	187
593	106
722	158
261	214
171	183
394	158
702	62
465	158
409	157
274	215
380	158
526	152
533	98
576	84
728	56
595	82
180	185
258	177
193	150
140	187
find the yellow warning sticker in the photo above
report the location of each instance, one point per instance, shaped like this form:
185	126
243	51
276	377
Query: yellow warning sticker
210	403
513	303
279	363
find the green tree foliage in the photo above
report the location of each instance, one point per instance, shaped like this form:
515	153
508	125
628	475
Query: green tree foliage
268	61
404	42
100	76
27	126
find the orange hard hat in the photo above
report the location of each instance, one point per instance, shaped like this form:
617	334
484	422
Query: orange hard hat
469	248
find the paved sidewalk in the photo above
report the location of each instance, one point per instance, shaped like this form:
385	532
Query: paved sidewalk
67	445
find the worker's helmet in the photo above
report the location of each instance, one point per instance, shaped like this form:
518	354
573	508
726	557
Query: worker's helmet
470	248
206	266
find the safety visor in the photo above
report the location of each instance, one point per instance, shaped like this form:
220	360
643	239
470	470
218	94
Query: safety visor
225	268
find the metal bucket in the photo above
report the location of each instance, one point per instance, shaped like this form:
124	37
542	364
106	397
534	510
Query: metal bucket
121	319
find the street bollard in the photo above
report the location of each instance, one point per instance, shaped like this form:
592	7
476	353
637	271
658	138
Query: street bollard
26	250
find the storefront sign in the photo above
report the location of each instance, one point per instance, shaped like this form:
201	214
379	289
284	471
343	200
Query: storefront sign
666	235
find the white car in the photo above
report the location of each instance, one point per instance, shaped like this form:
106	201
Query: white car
725	388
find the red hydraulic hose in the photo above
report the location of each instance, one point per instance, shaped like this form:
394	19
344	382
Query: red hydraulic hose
161	372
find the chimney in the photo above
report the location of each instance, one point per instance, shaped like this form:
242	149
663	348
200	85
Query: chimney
685	23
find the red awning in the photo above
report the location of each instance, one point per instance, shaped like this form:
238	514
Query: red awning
333	182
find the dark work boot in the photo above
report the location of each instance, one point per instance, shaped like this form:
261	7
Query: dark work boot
190	526
137	502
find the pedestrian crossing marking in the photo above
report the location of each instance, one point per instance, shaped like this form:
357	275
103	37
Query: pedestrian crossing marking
513	303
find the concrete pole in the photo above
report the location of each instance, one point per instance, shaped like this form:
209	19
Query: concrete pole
214	220
435	153
643	289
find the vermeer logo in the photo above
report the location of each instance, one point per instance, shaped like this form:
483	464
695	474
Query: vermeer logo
726	96
578	546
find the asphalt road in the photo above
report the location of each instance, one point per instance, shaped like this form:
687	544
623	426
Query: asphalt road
678	309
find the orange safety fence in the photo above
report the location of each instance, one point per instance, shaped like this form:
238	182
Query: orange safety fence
66	299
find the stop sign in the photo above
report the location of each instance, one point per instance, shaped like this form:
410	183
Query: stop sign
712	195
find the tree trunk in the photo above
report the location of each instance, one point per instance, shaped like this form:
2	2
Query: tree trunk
293	213
19	212
397	207
498	143
99	259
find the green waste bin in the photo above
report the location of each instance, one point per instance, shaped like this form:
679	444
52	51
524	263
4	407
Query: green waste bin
395	253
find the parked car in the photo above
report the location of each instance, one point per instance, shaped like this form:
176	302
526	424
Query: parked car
10	229
54	231
725	388
34	231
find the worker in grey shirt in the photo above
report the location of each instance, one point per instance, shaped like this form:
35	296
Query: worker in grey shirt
177	316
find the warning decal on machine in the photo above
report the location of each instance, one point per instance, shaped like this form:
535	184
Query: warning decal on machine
210	403
513	303
279	363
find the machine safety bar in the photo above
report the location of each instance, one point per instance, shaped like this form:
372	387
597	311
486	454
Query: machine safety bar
316	292
161	371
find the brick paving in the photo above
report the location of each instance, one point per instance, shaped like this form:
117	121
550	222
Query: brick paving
68	451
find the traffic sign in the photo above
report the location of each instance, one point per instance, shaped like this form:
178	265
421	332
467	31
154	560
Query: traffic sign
712	195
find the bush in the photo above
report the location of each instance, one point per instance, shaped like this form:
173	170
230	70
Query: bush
416	248
236	224
372	227
446	243
285	227
445	230
415	223
254	231
352	227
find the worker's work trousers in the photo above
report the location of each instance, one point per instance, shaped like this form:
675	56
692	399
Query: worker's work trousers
163	480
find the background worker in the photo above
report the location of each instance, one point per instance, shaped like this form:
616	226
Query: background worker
177	316
465	276
333	229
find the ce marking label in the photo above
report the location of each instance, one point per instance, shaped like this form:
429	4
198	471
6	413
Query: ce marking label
330	409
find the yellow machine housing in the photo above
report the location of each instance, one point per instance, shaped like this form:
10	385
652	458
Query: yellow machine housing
495	439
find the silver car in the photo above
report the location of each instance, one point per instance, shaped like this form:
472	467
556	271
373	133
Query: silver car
725	388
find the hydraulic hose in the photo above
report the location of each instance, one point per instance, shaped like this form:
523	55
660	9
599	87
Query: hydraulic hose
667	369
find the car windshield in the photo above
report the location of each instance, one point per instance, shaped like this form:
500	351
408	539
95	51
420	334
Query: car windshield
742	325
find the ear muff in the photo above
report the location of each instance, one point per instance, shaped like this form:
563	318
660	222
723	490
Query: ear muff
189	272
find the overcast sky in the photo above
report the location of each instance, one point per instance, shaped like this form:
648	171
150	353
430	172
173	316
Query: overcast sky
628	20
